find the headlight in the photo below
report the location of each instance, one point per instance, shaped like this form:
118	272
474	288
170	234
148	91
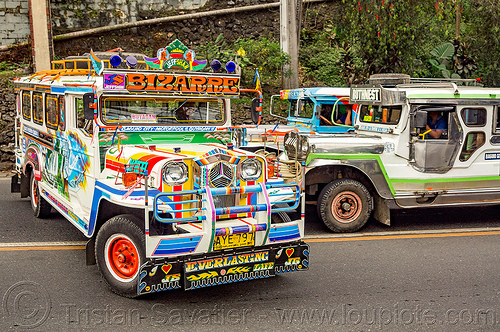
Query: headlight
250	169
175	173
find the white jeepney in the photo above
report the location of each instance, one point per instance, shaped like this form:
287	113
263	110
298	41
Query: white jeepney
418	143
137	154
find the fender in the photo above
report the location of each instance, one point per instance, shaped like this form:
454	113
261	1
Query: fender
32	157
370	165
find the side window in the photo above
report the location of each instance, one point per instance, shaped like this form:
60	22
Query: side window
38	108
473	141
474	117
496	120
27	105
51	111
305	108
62	117
85	125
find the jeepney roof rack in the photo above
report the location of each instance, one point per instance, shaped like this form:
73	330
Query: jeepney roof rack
391	80
84	61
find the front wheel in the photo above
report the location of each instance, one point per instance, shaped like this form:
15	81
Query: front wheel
120	252
345	205
41	208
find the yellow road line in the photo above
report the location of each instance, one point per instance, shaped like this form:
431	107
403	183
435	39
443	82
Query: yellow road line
37	248
403	236
26	247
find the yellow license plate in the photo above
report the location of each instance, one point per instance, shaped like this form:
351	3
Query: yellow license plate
234	241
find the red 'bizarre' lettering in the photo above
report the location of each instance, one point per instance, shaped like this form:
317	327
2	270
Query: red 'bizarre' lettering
183	84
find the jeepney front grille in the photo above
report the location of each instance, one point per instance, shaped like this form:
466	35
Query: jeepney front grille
291	139
221	175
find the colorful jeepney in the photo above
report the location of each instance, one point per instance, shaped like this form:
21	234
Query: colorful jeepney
418	143
137	153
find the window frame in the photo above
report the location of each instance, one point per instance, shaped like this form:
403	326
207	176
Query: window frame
485	113
28	94
36	111
54	110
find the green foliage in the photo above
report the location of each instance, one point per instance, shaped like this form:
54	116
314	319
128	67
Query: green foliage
442	55
7	66
251	54
393	34
321	58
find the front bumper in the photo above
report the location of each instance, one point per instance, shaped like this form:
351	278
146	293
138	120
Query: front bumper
224	267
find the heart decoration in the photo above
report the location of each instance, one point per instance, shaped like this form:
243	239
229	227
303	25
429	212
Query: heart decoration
289	252
166	268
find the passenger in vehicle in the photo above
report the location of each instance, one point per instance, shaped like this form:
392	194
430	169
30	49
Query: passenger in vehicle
186	111
326	114
346	118
437	124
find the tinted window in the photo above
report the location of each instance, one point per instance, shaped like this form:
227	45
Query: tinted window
51	111
27	105
474	116
38	108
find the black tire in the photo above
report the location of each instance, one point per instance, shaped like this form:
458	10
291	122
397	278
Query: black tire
41	208
345	205
120	252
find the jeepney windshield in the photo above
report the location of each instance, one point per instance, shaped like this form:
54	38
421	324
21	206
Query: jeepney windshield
171	111
388	115
303	108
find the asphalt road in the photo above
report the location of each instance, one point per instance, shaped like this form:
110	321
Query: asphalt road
431	271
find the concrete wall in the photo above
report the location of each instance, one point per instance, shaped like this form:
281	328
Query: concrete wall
83	14
15	26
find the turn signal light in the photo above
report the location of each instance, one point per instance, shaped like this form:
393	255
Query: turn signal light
129	179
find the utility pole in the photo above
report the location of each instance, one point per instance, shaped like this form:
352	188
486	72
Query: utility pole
41	34
290	14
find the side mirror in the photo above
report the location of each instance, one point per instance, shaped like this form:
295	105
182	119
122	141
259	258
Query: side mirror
89	105
420	119
255	110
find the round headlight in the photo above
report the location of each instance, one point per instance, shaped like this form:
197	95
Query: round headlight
251	169
175	173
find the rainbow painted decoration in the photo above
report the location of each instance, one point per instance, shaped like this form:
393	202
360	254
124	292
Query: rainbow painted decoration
175	56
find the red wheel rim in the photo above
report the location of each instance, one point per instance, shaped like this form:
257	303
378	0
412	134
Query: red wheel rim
346	207
123	257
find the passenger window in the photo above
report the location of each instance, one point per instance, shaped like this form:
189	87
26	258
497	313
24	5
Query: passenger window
38	108
474	117
62	117
27	105
85	125
305	108
380	114
473	141
51	111
496	120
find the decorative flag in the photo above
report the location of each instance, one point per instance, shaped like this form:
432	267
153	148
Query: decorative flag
97	63
256	80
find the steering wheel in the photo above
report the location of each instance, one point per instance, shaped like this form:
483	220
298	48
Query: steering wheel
328	122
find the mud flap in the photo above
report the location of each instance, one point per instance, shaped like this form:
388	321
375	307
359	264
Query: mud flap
15	185
381	213
222	268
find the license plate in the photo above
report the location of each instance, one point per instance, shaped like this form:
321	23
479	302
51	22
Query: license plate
234	241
